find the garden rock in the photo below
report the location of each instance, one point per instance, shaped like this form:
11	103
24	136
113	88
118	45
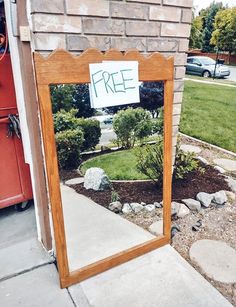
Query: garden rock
231	183
156	228
183	210
216	259
136	207
230	196
204	198
219	169
174	230
203	160
192	204
149	208
96	179
227	164
157	205
175	207
190	148
220	198
73	181
127	208
115	206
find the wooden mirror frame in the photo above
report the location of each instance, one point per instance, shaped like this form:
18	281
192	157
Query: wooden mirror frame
61	67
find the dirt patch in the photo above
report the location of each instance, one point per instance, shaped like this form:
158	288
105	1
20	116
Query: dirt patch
217	224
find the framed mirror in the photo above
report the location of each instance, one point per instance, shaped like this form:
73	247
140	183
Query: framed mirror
90	238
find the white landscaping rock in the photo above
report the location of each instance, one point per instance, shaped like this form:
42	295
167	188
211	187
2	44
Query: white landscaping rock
157	205
73	181
115	206
192	204
136	207
156	228
219	169
231	183
96	179
204	198
127	208
149	208
220	198
203	160
183	211
216	258
175	207
190	148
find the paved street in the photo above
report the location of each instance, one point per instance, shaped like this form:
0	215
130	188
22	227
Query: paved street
232	76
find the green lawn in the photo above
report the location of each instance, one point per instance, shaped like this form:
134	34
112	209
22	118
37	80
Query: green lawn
118	165
209	114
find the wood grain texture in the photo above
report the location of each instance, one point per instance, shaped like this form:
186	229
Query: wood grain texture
167	173
53	178
62	68
114	260
75	69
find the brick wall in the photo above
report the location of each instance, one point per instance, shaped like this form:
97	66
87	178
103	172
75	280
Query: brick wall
148	25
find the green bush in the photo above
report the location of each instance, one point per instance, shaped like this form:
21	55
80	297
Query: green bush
64	120
132	125
185	162
67	121
92	132
150	162
68	144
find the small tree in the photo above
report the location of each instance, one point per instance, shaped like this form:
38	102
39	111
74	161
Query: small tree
72	96
208	17
131	125
224	35
195	40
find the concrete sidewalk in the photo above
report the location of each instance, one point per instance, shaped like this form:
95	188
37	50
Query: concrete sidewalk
93	232
30	279
159	278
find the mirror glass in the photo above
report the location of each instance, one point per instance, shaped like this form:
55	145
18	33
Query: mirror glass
111	170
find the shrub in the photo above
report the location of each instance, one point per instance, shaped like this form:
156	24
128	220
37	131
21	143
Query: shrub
185	162
64	120
131	125
68	148
150	162
91	128
92	132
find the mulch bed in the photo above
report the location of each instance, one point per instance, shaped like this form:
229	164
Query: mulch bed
210	181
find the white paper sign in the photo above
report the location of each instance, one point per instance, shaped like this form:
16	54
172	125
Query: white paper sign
114	83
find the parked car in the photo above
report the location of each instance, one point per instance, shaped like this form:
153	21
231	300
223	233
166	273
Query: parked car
108	121
206	67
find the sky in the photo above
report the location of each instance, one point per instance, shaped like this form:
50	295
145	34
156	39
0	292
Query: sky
202	4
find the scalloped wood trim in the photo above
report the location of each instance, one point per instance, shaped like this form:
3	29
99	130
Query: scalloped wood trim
63	67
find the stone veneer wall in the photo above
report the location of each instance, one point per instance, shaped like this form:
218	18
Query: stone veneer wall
148	25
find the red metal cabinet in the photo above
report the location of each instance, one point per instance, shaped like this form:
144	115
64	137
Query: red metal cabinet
15	183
